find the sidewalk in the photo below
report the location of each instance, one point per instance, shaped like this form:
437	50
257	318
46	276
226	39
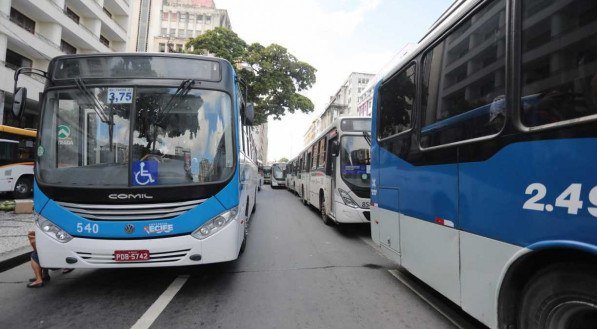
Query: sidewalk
14	246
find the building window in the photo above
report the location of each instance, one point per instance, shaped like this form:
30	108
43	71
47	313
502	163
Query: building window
181	33
162	47
183	17
199	18
174	17
21	20
164	31
71	14
207	19
67	48
165	16
179	48
107	12
16	60
104	41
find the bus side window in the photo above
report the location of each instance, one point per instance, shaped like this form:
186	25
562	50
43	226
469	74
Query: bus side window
322	154
464	80
7	151
559	84
396	103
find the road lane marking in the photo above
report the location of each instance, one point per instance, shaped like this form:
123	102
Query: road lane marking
452	315
152	313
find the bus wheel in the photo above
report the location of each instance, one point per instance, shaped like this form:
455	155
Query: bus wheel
243	244
23	188
324	215
303	199
561	296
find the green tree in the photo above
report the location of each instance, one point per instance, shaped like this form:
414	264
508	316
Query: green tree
283	160
274	76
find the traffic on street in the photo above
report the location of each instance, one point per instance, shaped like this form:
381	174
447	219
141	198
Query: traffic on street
296	272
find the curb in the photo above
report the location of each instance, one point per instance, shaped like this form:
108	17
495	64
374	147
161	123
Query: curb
14	258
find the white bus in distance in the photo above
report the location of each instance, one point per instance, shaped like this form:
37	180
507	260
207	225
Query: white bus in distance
278	175
333	172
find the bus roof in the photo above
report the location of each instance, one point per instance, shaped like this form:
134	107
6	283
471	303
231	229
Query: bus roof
18	131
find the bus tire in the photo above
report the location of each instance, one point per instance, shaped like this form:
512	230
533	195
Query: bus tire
23	188
560	296
303	199
324	216
243	245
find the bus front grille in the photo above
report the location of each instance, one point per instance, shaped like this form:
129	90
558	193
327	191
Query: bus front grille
127	212
154	257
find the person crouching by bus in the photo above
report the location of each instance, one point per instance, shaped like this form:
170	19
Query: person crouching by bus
41	275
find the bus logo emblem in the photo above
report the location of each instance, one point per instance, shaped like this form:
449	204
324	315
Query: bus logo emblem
129	228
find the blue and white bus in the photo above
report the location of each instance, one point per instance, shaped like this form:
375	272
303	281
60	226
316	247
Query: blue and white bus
484	162
143	160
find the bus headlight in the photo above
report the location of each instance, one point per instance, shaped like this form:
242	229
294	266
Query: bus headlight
52	230
215	224
347	199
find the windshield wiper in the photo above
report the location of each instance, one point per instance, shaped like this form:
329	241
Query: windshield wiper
184	88
367	137
92	100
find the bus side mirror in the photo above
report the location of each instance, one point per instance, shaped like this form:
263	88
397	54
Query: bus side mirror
18	102
335	148
249	114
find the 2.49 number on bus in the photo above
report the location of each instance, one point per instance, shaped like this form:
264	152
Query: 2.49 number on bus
570	198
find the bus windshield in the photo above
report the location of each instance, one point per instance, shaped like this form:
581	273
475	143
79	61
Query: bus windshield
279	171
91	138
355	161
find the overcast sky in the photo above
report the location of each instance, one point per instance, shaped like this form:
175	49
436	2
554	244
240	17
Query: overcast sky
337	37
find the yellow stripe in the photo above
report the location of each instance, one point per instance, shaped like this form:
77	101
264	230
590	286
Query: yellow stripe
18	131
16	164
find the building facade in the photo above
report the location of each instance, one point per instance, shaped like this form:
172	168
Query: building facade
32	32
167	25
342	103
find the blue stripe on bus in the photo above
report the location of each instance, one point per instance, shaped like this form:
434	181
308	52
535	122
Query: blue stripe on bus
183	224
486	198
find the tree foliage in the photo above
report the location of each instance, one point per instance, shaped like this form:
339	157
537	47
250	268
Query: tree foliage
274	76
283	160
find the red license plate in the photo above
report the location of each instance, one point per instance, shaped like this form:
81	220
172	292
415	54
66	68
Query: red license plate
131	255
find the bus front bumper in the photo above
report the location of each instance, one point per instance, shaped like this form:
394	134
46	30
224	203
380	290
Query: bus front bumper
173	251
346	214
276	182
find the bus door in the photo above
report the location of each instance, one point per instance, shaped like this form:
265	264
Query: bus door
332	162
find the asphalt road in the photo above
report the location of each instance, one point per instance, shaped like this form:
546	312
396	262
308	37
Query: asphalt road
295	273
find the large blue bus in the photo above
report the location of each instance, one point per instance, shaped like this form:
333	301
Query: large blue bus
143	160
484	161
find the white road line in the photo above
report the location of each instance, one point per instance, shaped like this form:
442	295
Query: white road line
160	304
440	307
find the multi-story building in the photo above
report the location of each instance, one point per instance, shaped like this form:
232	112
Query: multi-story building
34	31
344	102
167	25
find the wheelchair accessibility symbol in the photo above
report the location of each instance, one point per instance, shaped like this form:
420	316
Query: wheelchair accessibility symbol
145	173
